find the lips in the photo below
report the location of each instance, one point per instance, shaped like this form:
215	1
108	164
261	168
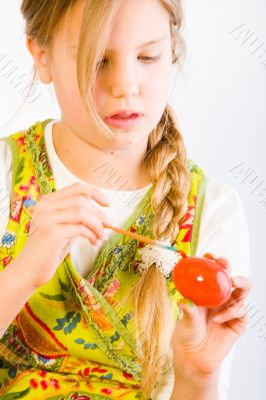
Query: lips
120	116
124	120
125	114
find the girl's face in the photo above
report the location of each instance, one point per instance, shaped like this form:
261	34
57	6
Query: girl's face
134	76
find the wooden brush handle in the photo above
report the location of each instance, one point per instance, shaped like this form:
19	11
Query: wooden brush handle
130	234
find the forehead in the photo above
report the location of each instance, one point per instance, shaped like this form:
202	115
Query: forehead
137	22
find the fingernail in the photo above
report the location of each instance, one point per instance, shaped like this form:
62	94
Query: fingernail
217	318
223	262
209	255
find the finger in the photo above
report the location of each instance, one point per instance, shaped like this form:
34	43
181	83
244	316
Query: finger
72	231
238	325
79	188
79	216
224	262
241	282
236	310
209	255
237	294
241	288
189	312
80	202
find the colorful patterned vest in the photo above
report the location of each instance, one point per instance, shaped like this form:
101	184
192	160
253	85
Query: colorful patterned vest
84	348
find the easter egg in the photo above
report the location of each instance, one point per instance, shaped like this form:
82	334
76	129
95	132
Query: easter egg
202	280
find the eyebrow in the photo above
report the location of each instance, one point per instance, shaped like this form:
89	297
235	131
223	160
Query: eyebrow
149	43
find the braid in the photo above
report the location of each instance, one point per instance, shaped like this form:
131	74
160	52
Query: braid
166	161
167	164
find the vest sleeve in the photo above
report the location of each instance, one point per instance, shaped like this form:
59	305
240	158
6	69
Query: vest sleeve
5	184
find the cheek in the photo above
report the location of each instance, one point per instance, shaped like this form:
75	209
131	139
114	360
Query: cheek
100	99
61	79
70	99
66	87
163	78
157	91
103	97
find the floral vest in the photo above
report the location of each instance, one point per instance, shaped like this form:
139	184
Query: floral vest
84	348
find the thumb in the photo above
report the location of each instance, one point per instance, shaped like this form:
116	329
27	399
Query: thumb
189	312
189	326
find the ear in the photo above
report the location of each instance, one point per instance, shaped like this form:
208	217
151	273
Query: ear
41	60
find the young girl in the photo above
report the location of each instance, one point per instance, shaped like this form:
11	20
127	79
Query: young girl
82	315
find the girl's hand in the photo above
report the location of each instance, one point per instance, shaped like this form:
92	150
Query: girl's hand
58	218
199	343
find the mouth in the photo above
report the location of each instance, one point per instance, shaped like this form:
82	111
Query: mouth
124	114
124	120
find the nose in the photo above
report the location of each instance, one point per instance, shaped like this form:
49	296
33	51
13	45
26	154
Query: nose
124	80
125	89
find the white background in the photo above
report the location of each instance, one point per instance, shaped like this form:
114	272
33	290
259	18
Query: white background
220	103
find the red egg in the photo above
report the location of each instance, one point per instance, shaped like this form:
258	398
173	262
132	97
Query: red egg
202	280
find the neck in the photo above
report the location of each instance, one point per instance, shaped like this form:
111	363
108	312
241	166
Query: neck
108	169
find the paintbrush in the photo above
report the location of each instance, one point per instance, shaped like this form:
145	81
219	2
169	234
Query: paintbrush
141	238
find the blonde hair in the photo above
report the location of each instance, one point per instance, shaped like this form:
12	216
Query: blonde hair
165	160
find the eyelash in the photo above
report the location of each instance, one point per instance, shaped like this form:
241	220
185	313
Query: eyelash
152	59
149	60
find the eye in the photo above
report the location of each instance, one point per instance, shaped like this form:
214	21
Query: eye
150	59
101	64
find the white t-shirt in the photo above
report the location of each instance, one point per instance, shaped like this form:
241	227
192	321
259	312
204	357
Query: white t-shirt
223	229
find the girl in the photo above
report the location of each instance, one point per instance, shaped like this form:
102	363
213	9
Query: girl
83	316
